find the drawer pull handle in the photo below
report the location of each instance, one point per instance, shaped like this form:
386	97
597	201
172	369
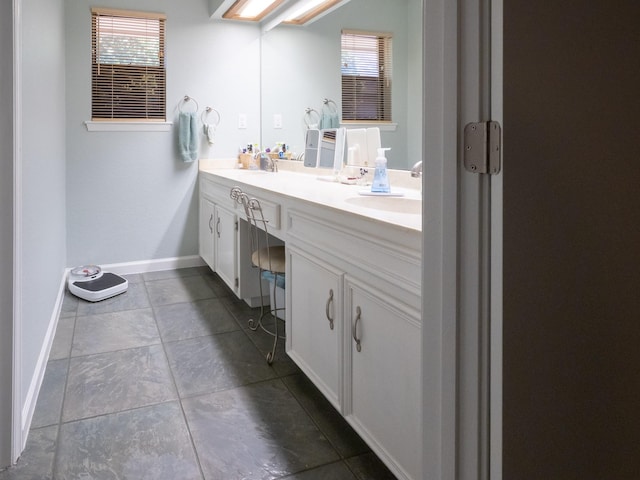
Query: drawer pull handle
218	227
329	302
211	226
355	329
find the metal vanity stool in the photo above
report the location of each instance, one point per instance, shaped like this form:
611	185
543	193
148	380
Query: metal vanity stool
269	261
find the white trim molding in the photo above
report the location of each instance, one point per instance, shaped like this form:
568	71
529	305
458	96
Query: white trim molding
128	126
41	366
18	439
157	265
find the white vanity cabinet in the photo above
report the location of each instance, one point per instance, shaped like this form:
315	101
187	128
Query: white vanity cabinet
226	246
368	366
206	239
382	375
218	225
315	339
223	238
353	299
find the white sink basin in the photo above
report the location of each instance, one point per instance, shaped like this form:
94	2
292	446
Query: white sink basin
389	204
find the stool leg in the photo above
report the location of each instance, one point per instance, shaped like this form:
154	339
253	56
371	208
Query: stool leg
253	325
271	355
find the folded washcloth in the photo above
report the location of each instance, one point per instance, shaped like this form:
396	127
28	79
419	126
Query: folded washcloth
188	136
210	133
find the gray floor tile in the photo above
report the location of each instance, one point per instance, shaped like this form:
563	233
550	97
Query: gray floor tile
146	443
333	471
61	347
134	278
69	305
36	462
216	362
49	404
106	332
178	290
122	411
282	364
255	432
220	289
165	274
180	321
110	382
369	467
134	298
342	436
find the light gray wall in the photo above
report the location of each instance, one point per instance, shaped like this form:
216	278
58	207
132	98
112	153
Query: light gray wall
6	232
301	68
129	196
43	172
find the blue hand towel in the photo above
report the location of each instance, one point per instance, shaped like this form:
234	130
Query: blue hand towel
329	120
188	136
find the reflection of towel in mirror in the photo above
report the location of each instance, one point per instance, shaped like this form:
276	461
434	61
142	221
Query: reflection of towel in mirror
329	120
188	136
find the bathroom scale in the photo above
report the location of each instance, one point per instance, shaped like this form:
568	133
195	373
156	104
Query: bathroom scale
90	283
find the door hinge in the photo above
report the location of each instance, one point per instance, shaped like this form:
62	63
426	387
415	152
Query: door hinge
482	147
236	282
236	225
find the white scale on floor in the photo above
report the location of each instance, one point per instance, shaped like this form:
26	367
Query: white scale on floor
90	283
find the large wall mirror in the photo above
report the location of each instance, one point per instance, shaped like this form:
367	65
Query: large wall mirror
301	68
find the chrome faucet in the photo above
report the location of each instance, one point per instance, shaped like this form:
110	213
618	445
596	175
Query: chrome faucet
272	164
416	170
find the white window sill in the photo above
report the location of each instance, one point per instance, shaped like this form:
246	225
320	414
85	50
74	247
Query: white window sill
384	127
128	126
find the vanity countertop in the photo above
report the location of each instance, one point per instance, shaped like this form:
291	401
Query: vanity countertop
297	182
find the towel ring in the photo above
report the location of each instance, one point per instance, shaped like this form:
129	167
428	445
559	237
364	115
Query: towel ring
330	105
309	112
188	99
206	113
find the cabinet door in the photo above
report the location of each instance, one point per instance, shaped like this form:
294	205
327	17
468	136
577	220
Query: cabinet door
385	376
226	246
206	231
314	323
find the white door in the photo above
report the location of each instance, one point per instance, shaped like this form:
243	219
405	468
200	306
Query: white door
226	233
314	339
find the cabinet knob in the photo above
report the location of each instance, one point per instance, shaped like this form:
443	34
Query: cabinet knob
327	313
355	329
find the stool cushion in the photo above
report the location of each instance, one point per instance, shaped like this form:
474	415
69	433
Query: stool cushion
260	258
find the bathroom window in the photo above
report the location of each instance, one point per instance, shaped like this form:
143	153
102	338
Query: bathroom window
128	76
366	76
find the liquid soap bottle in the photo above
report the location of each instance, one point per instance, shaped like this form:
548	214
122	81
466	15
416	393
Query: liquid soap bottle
380	178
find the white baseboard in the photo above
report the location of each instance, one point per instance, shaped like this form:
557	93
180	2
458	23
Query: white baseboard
145	266
36	381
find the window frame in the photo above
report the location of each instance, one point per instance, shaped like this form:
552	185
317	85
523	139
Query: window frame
149	110
380	107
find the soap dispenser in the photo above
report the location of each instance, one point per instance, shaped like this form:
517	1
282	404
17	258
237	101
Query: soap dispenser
380	178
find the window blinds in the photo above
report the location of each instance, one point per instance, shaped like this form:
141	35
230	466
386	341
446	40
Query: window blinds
128	65
366	76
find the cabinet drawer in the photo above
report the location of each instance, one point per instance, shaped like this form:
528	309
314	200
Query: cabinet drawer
271	212
218	193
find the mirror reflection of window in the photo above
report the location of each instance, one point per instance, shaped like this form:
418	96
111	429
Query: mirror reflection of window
366	66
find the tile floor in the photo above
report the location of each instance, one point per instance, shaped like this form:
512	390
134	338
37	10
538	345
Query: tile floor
166	381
